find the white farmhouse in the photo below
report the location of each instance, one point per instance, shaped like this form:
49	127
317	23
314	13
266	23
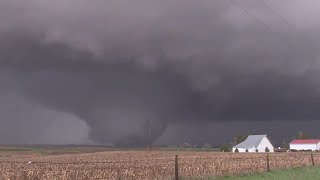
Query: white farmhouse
254	143
305	144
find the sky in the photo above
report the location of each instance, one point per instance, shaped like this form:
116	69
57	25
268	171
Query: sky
199	71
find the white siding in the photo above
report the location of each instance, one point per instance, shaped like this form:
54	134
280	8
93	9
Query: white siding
252	149
243	150
265	143
261	147
239	149
312	147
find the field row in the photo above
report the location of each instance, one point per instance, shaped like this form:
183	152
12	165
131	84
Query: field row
147	165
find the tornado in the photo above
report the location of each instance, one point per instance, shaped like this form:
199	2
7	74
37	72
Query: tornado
130	69
122	103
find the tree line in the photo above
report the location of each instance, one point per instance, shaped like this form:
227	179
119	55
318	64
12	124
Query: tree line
227	147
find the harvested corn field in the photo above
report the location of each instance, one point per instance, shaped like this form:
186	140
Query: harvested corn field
145	164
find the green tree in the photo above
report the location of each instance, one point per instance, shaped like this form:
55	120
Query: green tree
239	138
267	149
285	144
186	145
206	145
302	135
225	148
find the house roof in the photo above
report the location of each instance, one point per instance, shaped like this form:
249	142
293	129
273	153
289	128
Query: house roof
251	141
305	141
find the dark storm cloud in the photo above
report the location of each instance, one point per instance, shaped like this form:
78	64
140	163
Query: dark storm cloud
119	64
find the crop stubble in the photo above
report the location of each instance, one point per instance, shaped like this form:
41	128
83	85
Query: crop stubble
145	165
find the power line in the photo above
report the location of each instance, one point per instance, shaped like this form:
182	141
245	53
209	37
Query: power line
277	14
293	28
260	21
250	14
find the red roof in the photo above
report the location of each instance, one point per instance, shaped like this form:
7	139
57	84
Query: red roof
305	141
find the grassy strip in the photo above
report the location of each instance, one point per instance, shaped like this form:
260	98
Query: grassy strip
15	149
305	173
190	149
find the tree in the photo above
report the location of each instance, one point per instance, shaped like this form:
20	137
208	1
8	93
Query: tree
206	145
247	150
302	135
267	149
257	150
173	146
285	144
225	148
239	138
186	145
236	150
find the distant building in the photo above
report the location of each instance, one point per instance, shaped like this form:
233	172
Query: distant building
305	144
254	143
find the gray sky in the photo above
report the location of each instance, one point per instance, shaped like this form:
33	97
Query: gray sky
115	65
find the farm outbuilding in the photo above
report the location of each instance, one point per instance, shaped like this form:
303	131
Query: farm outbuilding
254	143
305	144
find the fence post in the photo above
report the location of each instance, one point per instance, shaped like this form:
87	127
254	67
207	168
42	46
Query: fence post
268	167
176	168
118	174
312	160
